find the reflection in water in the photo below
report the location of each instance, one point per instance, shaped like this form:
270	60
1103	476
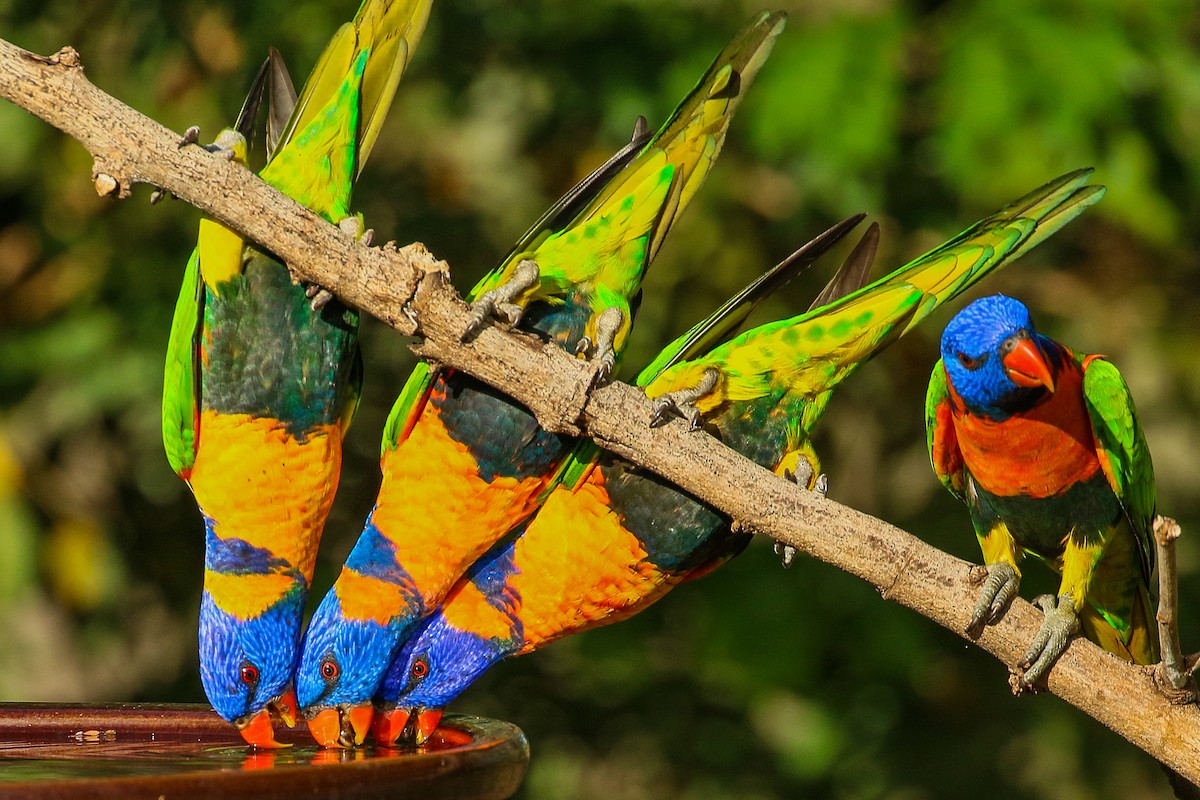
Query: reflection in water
53	758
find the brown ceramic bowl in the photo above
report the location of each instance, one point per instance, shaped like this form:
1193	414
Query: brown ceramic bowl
183	751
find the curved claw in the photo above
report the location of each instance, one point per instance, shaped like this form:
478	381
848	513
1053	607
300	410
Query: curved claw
351	226
1060	624
319	296
227	146
603	351
190	136
802	477
998	591
682	402
499	301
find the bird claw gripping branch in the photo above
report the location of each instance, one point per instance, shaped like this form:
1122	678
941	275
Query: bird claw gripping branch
1060	624
227	145
786	552
603	350
682	402
351	226
499	301
998	591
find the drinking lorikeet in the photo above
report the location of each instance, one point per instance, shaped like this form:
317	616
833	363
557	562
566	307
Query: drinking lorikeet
462	464
613	538
1044	447
261	384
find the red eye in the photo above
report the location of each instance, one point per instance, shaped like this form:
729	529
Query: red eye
249	674
420	668
966	361
330	670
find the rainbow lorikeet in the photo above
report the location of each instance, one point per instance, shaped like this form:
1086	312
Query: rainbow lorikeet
632	536
261	384
496	595
1044	447
462	464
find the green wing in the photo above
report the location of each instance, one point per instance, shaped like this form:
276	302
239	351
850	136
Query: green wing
411	399
1124	455
566	209
181	382
723	322
181	376
944	455
813	352
628	218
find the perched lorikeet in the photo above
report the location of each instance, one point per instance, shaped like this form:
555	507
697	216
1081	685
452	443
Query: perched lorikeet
613	538
462	465
1044	447
260	385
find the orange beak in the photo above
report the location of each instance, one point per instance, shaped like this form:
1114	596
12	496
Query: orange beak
258	732
408	727
343	726
1026	366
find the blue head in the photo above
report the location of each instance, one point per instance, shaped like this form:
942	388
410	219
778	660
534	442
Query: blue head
246	665
342	661
435	665
995	359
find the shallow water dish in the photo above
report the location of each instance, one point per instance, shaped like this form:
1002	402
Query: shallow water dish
187	751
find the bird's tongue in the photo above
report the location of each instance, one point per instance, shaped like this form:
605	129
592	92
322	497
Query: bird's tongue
342	727
405	726
286	707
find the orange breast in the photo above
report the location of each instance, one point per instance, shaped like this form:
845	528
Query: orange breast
257	483
1039	453
579	567
437	510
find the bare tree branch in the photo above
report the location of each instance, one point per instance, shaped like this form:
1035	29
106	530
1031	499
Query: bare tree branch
408	289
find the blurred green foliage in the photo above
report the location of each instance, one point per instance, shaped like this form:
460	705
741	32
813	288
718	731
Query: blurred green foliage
755	682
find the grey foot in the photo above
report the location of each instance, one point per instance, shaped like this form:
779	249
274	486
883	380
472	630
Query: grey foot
223	146
319	295
787	553
998	591
499	301
682	402
190	136
602	350
1060	624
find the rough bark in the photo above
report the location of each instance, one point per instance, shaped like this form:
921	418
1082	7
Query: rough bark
410	290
